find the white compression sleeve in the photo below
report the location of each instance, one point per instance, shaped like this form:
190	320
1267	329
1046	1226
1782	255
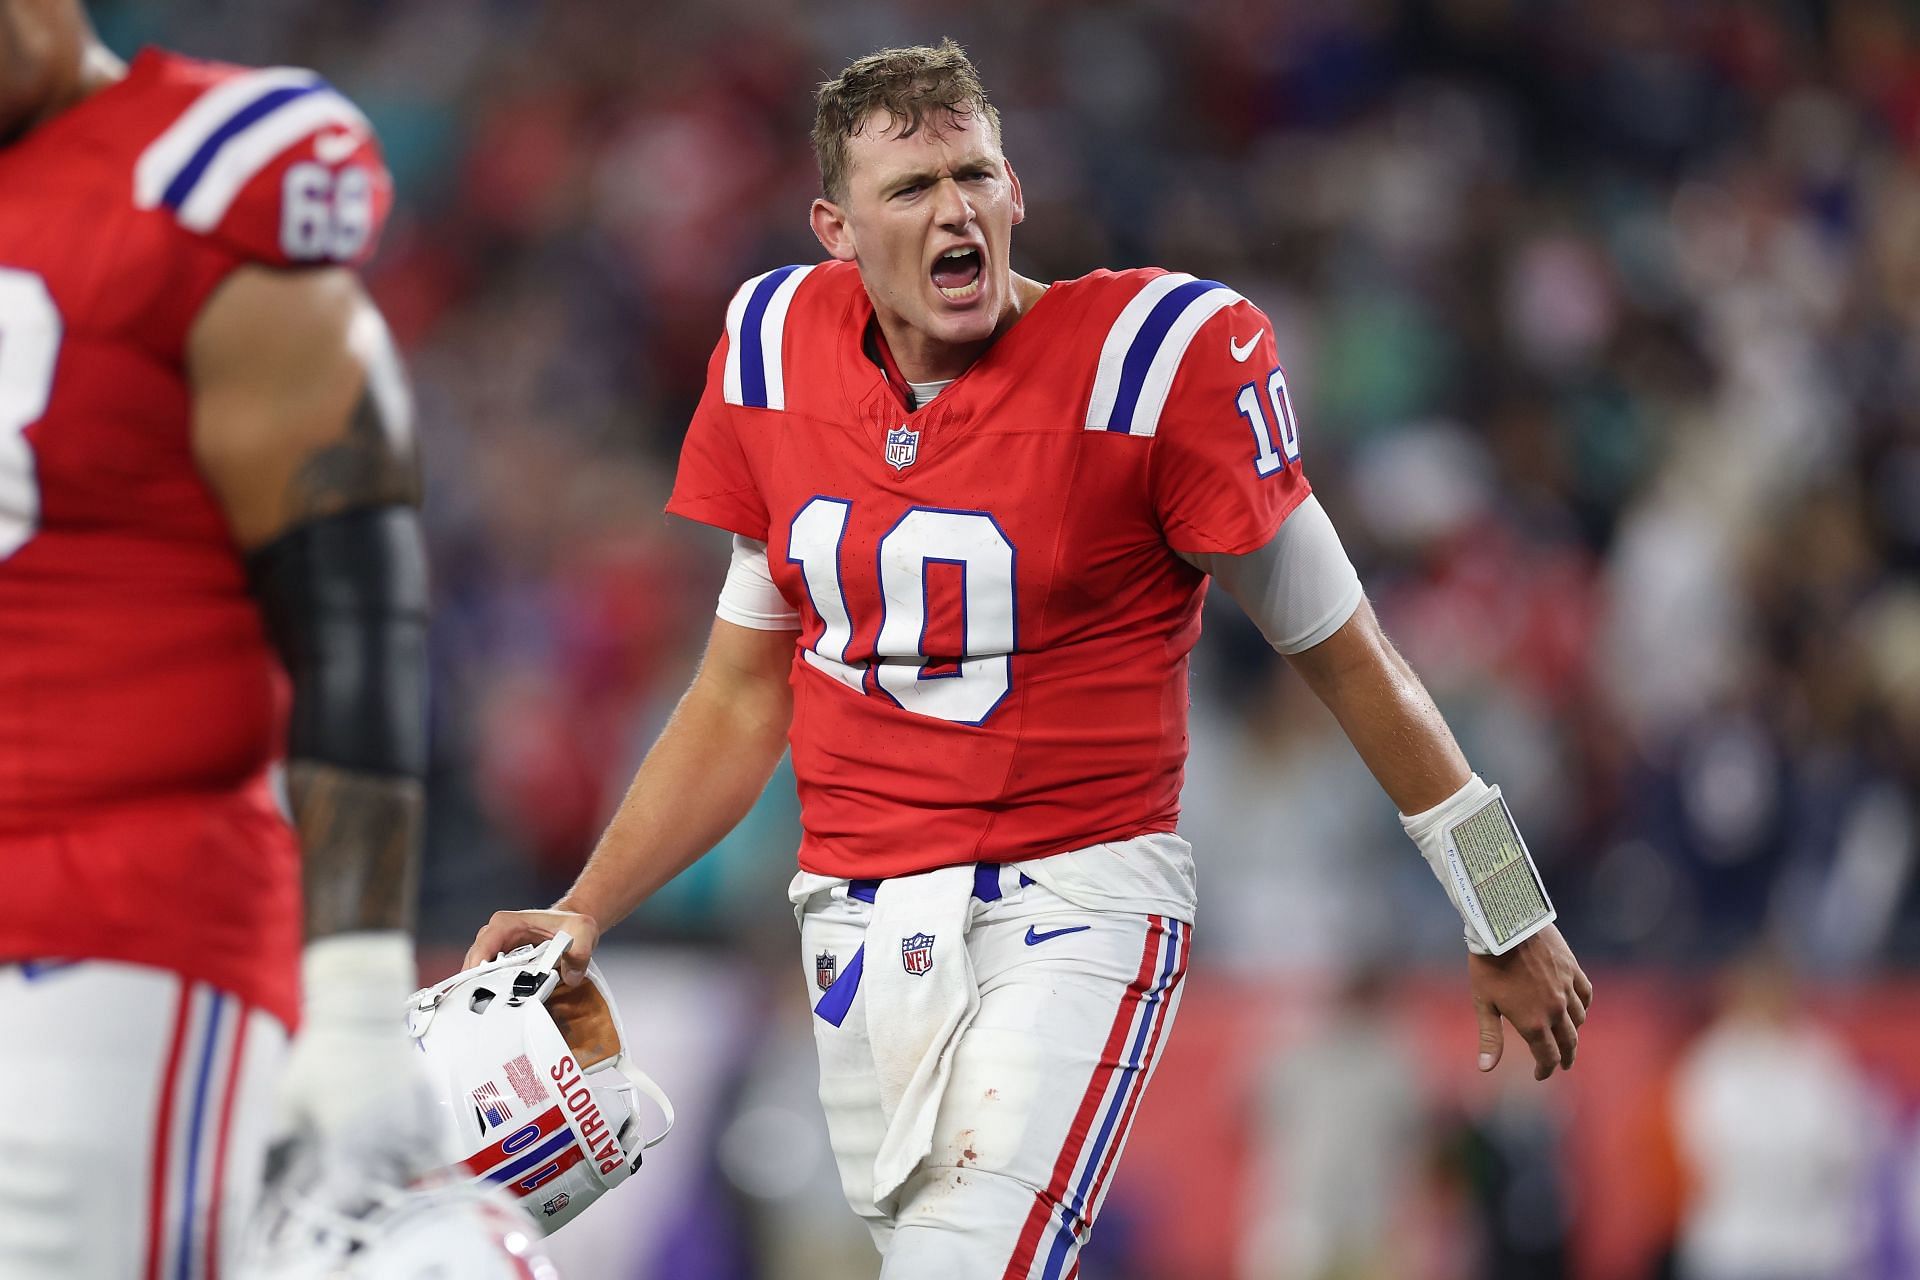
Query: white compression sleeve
1299	589
749	598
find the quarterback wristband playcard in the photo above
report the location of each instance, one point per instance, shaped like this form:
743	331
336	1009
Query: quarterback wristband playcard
1500	891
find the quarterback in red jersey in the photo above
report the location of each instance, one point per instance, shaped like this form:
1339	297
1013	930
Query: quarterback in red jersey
212	615
996	560
974	517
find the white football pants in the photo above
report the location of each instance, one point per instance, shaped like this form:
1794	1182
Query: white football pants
1075	1007
134	1123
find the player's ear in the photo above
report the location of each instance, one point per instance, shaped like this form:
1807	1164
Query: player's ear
831	228
1019	201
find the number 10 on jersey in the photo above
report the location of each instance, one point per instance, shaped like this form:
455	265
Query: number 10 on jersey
899	671
1266	459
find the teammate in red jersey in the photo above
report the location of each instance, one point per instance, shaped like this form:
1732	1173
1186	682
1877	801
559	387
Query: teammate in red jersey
212	612
974	517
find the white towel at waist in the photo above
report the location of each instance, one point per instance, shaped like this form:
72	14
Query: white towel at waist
921	996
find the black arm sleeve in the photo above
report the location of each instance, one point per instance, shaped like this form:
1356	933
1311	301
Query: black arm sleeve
345	602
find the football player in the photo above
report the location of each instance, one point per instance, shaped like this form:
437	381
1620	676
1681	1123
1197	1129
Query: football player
212	613
974	516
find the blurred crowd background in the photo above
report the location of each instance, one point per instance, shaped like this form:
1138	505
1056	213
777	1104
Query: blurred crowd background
1603	320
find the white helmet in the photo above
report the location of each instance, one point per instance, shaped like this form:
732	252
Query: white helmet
535	1084
451	1231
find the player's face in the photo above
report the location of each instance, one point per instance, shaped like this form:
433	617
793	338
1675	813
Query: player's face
929	217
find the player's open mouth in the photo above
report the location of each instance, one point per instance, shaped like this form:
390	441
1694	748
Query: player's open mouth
957	274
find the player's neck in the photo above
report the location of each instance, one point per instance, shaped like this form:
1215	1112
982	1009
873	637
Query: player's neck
921	359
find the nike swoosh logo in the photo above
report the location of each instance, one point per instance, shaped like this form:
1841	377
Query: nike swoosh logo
1035	937
332	148
1240	352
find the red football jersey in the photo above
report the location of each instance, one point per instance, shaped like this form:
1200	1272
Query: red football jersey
993	656
141	706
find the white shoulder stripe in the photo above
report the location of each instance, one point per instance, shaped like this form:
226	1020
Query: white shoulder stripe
1143	350
773	332
168	154
255	147
756	334
1166	363
736	312
1113	354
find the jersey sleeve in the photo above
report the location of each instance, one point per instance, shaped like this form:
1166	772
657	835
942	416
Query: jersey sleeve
1225	471
714	485
274	166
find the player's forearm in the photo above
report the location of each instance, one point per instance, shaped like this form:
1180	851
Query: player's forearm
704	773
360	836
344	600
1386	712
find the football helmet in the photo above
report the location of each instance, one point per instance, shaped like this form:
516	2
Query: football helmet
443	1231
537	1091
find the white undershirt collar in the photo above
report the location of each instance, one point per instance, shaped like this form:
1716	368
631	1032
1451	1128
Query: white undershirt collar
923	392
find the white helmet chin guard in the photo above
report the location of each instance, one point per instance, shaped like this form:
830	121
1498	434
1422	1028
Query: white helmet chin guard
537	1090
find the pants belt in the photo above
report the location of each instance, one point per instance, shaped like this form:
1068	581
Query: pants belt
986	884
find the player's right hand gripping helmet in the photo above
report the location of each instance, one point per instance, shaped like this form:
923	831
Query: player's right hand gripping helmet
536	1087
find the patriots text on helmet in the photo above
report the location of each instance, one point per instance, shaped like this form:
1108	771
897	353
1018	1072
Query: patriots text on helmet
600	1141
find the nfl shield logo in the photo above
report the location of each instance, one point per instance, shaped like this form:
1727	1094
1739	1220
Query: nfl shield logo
916	953
903	446
825	966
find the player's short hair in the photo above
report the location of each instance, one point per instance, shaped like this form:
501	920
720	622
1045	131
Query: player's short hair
909	85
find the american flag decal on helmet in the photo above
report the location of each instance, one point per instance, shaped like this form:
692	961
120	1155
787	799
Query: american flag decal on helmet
493	1108
526	1084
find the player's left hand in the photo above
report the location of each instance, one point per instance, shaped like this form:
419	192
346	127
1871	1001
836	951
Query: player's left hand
358	1096
354	1093
1540	988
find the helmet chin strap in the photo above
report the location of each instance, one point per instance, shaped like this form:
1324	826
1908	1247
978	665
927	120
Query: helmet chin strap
549	955
540	974
644	1083
544	961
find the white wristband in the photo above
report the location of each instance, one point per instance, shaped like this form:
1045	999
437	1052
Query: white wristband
1470	841
357	977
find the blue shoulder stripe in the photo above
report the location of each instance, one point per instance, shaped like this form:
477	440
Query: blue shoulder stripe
203	161
756	336
1146	345
183	182
1143	350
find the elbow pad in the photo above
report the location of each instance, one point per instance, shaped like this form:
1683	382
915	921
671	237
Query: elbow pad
345	603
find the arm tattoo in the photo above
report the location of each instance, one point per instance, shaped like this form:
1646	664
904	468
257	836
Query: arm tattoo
360	833
375	464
